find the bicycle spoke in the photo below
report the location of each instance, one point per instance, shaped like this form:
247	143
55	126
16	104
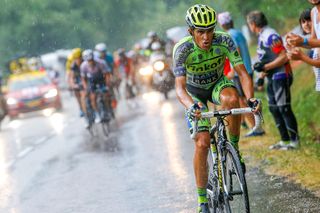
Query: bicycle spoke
235	181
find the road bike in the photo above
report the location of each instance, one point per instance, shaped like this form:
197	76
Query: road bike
105	111
227	188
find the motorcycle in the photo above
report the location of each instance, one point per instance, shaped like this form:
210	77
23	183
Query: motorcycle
162	77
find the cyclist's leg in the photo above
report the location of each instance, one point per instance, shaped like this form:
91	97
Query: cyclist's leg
202	144
225	94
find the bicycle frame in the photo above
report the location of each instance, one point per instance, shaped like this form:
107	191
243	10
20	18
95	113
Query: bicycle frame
218	143
219	149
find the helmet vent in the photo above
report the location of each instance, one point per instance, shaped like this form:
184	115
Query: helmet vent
193	18
205	18
210	16
199	17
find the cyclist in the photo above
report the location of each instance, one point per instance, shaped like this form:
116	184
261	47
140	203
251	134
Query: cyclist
153	37
124	69
198	63
94	74
75	79
274	65
103	54
73	61
226	23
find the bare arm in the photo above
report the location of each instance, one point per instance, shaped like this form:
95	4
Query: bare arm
310	61
279	61
181	92
245	79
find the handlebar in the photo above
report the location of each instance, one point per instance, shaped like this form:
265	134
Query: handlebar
257	117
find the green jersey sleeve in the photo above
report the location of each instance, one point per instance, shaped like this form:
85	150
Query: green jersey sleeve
230	48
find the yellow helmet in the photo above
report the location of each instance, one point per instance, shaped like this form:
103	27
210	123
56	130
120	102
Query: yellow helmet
76	53
201	16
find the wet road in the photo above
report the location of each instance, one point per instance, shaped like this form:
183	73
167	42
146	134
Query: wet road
50	163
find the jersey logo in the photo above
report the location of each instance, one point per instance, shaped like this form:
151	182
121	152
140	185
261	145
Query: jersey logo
205	66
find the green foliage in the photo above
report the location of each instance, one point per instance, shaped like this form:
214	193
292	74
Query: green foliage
277	12
39	26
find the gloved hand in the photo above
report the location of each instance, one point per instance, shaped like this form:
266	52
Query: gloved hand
260	82
255	104
192	111
258	66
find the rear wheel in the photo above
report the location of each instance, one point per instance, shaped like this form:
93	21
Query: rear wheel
237	199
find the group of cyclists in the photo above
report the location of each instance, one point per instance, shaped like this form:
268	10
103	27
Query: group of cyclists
92	69
87	71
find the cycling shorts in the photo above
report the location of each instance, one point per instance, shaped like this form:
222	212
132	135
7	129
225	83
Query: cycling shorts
203	96
96	83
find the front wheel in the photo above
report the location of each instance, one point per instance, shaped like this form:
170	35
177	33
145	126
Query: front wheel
236	195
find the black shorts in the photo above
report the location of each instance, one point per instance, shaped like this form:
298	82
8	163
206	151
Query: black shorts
95	84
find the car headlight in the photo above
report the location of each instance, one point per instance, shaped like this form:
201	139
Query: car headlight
145	70
158	66
51	93
12	101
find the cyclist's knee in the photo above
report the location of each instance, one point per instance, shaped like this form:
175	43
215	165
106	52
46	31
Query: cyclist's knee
230	101
203	140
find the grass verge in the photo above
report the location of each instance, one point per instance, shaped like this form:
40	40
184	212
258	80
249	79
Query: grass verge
301	165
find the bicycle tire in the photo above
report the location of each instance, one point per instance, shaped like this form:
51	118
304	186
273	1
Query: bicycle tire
105	128
212	186
234	175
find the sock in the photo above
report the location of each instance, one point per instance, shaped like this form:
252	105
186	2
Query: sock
234	139
202	195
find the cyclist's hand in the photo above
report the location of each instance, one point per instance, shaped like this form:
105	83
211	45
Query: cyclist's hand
255	104
258	66
194	111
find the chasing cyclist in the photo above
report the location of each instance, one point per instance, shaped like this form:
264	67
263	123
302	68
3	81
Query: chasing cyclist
73	75
198	62
94	74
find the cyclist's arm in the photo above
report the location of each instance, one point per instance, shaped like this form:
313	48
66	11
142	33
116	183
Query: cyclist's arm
245	79
70	79
106	70
83	77
181	92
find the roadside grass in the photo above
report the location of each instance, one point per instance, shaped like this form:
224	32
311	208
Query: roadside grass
302	165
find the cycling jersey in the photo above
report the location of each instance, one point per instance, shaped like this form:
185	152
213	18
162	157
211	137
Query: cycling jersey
75	68
95	74
124	65
69	62
269	47
204	68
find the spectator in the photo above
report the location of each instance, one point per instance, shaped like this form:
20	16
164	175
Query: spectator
275	66
294	40
226	23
